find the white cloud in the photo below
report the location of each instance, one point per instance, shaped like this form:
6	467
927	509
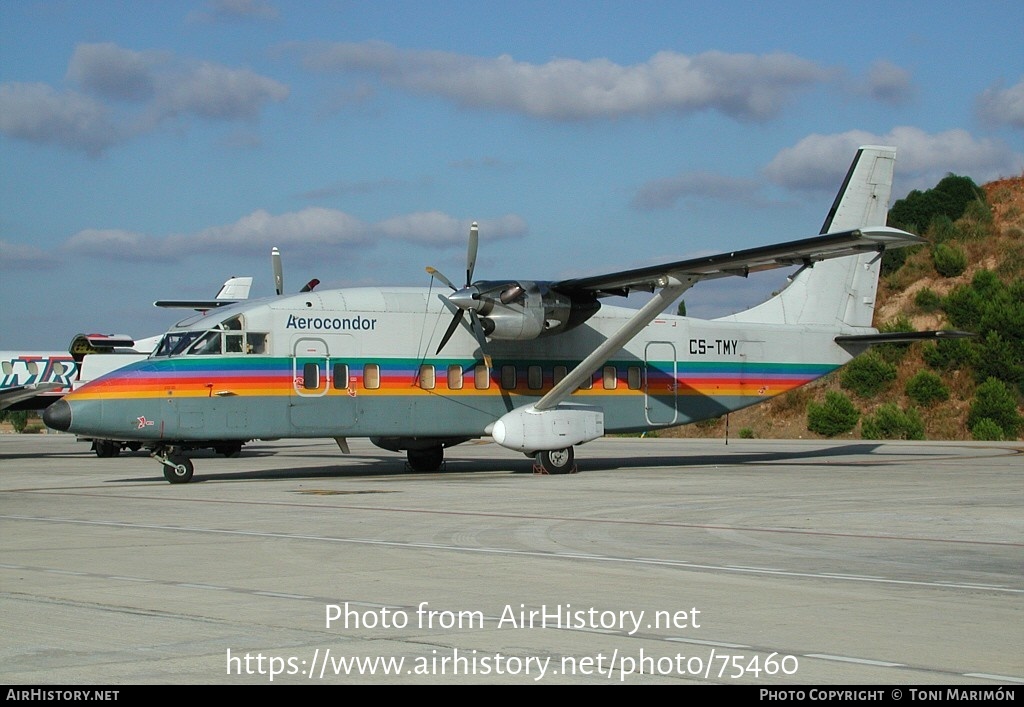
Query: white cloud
664	193
311	231
1003	106
18	256
38	113
218	92
156	85
108	71
889	83
922	159
743	86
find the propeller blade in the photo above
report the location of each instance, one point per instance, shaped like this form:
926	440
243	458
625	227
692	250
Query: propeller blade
275	259
433	272
474	244
451	330
478	329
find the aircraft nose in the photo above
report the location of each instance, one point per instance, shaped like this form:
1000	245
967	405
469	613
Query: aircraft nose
58	416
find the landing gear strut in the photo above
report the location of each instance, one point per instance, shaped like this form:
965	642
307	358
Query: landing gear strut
555	461
177	467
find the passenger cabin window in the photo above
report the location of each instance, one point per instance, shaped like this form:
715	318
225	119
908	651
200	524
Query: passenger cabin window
371	376
535	377
508	377
454	377
609	378
481	377
311	376
558	374
633	378
340	376
427	378
588	383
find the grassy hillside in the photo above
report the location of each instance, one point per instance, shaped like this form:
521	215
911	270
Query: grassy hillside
916	296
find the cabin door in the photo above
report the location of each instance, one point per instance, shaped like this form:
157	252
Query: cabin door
660	383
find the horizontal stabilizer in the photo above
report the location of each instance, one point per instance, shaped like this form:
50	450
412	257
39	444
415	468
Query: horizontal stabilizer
902	337
200	305
233	291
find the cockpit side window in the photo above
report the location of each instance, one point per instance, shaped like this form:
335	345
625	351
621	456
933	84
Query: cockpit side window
209	344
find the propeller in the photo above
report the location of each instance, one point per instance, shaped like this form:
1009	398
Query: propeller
466	299
275	261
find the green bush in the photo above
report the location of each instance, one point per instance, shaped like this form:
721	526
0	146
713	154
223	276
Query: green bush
999	358
986	430
993	400
894	353
18	420
925	388
942	229
835	416
950	354
867	375
890	422
949	260
746	433
926	299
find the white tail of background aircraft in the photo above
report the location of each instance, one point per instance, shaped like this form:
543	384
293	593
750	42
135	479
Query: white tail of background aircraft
537	366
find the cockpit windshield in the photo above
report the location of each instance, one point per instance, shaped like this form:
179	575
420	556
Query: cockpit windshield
176	342
227	337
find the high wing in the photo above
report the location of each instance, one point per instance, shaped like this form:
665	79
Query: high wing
743	262
675	278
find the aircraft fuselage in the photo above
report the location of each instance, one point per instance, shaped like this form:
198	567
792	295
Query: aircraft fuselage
338	363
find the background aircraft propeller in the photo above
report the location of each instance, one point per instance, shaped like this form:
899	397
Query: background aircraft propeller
275	261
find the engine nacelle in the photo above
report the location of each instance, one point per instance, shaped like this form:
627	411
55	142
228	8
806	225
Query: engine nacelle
527	310
529	430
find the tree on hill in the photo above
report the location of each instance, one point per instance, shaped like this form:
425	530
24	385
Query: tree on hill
949	198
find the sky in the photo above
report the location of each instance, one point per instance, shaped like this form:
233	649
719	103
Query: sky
150	150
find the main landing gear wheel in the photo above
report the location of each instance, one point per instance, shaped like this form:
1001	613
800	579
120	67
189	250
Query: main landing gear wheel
429	459
555	461
106	449
178	469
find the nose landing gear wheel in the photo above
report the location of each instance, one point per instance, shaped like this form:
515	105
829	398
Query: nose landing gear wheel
556	461
178	470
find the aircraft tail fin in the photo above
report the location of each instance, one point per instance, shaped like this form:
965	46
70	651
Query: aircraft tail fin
840	291
235	288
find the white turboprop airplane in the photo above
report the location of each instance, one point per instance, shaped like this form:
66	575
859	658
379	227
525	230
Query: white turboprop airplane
537	366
